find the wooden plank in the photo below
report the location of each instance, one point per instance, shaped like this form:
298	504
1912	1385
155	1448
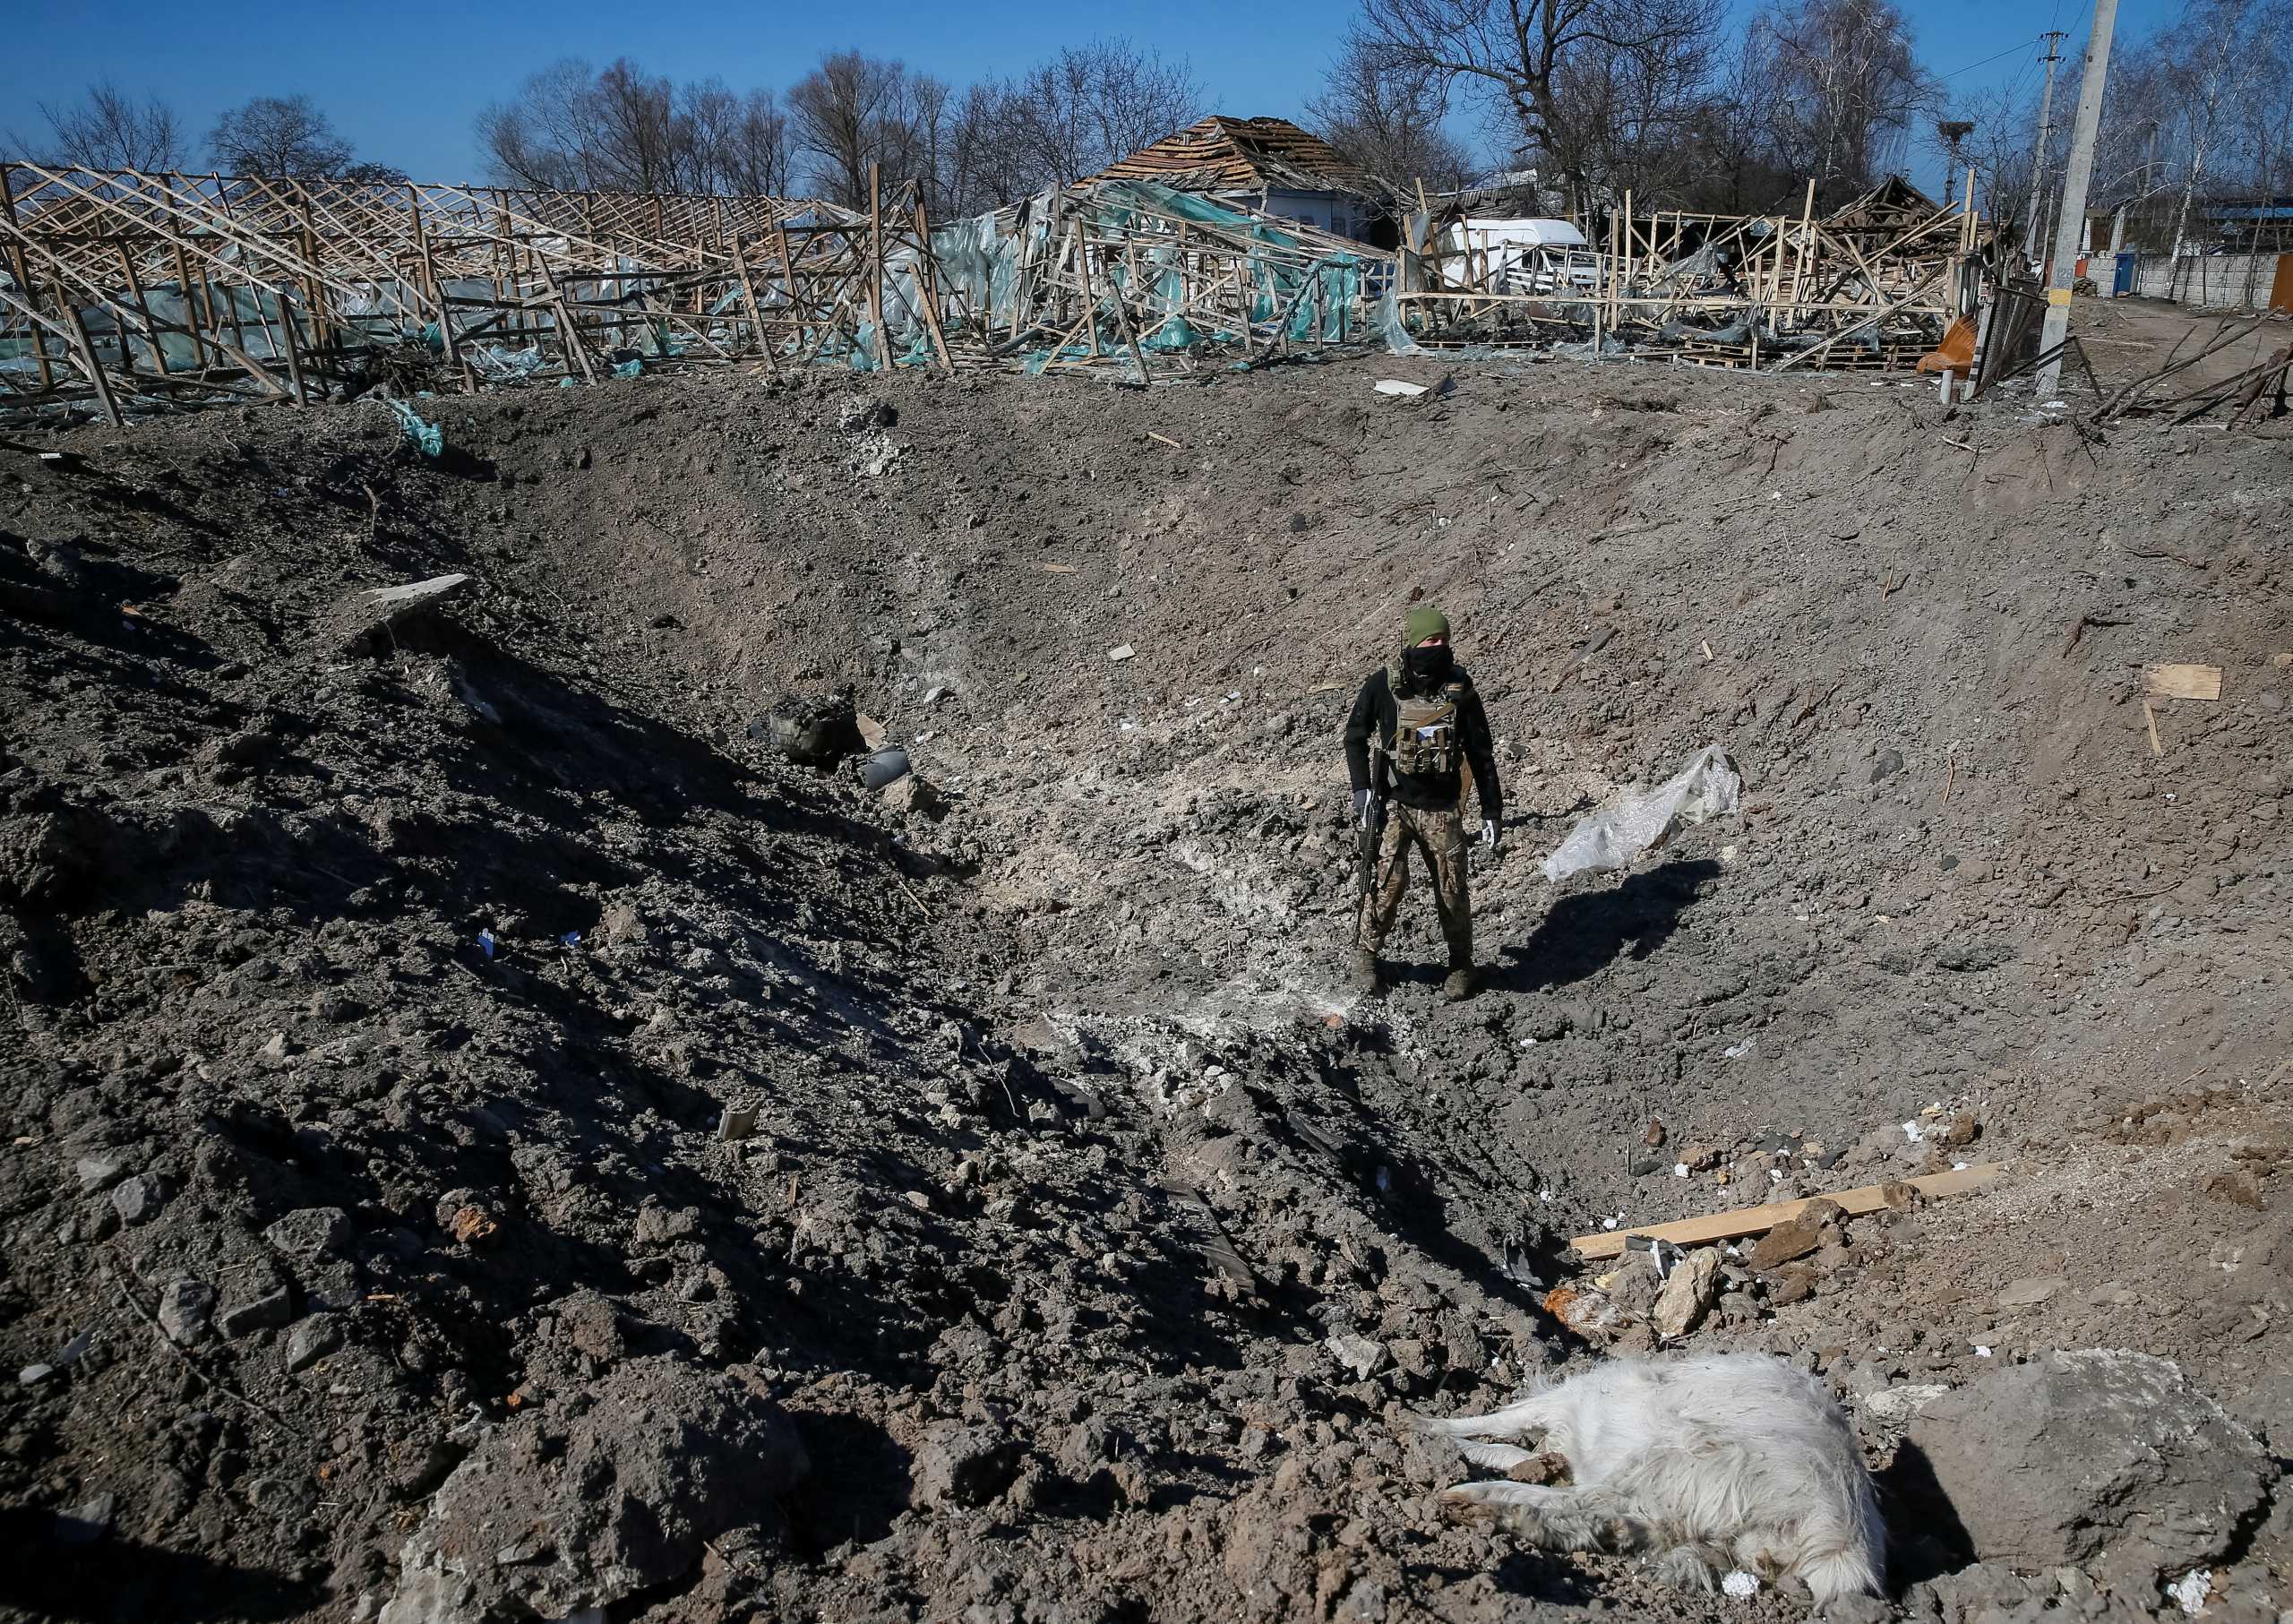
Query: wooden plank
876	268
927	286
1759	1220
2172	681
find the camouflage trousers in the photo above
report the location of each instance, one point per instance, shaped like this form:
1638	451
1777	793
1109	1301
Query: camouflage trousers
1441	836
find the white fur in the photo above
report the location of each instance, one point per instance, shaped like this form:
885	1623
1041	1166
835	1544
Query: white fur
1730	1460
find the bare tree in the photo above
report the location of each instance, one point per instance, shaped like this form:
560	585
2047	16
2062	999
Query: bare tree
1728	153
1996	144
1388	122
1846	88
619	129
277	135
2213	65
856	110
979	169
1075	114
636	134
546	136
1637	107
110	130
1517	54
727	143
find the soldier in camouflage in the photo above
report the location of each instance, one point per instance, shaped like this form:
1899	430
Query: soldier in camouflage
1416	728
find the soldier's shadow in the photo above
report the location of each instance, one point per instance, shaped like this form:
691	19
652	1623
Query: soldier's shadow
1585	933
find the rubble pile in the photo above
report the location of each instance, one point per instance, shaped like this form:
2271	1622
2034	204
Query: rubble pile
731	1063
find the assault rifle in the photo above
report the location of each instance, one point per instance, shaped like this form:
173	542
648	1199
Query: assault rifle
1373	832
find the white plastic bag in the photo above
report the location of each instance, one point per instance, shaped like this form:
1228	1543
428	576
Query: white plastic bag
1638	820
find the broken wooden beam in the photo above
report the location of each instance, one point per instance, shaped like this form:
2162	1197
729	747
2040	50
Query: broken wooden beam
1759	1220
2178	682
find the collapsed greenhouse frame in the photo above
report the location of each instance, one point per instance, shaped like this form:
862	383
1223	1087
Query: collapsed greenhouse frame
127	291
1874	284
123	292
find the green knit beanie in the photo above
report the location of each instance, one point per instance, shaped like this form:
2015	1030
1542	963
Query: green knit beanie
1426	621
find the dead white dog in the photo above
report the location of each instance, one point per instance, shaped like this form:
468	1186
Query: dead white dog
1728	1461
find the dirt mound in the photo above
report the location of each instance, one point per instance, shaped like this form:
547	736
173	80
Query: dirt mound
387	1009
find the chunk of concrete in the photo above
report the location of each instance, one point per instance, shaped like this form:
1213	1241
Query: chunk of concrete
2049	1464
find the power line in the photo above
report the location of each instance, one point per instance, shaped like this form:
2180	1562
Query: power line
1987	61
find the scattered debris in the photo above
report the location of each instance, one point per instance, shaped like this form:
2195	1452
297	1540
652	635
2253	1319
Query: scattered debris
812	730
2193	1590
1758	1220
1640	820
365	621
910	794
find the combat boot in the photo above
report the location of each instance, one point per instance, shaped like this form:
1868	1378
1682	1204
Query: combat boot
1365	976
1460	985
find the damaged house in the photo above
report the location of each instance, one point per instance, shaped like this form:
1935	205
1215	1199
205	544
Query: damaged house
1269	165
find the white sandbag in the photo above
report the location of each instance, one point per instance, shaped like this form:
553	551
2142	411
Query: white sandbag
1638	820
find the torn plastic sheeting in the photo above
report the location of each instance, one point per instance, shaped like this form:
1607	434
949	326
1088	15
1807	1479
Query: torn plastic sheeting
1639	821
426	437
508	365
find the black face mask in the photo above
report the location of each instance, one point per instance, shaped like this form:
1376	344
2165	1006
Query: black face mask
1430	665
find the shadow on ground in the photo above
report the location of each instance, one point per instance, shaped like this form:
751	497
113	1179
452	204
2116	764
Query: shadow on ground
1586	932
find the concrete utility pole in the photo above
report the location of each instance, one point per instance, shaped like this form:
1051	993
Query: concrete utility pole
2037	154
2074	183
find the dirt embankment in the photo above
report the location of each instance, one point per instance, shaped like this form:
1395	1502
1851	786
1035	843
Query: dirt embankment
377	1007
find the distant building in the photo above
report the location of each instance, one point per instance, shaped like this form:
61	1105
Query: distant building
1266	164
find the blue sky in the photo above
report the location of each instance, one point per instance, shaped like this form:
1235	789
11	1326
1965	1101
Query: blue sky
403	82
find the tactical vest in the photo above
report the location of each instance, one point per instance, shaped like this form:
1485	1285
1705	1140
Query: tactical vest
1426	742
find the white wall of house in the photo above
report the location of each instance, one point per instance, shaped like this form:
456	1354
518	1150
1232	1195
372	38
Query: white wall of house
1332	212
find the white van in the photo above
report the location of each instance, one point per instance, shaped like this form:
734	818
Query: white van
1519	256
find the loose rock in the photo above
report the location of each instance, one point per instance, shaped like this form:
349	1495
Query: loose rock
2050	1462
1790	1240
311	1341
138	1200
185	1307
1688	1294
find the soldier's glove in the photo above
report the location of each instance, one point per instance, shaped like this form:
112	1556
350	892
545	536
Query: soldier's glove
1365	809
1489	834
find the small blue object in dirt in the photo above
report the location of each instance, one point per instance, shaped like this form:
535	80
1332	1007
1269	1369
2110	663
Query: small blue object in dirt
426	437
486	943
572	939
